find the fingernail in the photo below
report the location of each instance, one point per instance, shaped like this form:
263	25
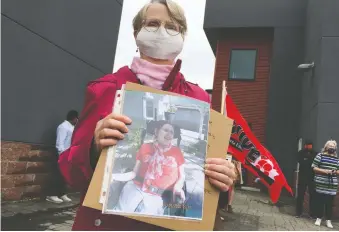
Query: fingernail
206	166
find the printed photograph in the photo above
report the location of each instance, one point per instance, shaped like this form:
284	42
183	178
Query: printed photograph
159	167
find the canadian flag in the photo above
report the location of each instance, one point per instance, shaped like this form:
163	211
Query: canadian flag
247	149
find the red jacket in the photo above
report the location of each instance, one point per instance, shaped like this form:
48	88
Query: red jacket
75	162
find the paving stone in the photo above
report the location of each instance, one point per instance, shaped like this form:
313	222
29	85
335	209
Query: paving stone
51	227
266	220
252	212
278	221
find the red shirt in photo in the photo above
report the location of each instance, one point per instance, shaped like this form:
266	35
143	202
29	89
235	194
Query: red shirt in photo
169	165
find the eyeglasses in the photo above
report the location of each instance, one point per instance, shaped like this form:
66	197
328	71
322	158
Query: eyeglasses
152	25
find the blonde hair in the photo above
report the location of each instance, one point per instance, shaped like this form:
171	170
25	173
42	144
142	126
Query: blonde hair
175	12
328	143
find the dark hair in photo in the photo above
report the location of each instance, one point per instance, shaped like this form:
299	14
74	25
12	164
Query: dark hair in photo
72	114
159	124
156	125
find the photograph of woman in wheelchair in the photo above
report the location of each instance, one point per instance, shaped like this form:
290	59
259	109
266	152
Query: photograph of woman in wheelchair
158	167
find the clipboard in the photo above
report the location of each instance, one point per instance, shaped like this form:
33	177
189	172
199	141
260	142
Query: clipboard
219	134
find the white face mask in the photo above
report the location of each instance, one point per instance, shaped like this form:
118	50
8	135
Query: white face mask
159	44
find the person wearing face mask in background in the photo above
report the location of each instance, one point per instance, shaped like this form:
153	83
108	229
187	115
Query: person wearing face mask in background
326	168
305	178
159	30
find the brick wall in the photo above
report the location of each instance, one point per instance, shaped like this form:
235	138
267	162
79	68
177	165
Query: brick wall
251	97
26	170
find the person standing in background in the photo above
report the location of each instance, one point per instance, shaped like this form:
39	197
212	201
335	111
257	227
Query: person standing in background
65	131
305	178
63	142
326	169
226	198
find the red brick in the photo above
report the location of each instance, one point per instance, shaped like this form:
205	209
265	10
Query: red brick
38	167
4	167
23	180
252	106
12	194
14	154
7	181
38	155
16	167
9	144
32	191
21	152
7	154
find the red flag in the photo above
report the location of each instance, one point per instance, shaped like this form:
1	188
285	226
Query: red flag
247	149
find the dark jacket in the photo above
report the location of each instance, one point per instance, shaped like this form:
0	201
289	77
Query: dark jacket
305	160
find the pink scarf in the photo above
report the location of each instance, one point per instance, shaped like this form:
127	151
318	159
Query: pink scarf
152	75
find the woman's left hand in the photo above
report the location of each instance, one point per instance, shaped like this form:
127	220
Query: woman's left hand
220	173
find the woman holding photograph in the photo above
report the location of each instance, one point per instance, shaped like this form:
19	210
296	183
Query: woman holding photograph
159	168
159	31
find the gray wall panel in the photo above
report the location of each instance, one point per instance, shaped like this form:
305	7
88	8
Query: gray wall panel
258	13
320	86
284	97
329	86
331	18
311	79
85	28
328	123
40	83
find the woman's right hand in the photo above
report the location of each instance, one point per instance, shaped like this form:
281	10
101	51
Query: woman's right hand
110	130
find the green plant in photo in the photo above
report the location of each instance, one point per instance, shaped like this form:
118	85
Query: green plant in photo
136	137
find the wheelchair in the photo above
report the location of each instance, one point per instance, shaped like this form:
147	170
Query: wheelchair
175	210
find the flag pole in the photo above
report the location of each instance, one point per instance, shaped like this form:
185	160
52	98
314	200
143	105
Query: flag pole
224	111
223	96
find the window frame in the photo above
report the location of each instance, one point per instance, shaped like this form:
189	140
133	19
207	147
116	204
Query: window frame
255	64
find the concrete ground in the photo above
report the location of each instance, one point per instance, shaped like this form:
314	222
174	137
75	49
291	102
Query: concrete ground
38	215
252	211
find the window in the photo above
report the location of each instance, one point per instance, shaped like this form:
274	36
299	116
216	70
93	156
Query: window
242	64
149	109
